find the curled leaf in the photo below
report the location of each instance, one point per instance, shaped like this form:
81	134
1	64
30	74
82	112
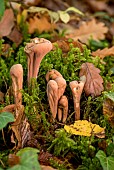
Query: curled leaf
73	9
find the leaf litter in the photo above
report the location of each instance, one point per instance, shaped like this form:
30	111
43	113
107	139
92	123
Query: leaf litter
78	28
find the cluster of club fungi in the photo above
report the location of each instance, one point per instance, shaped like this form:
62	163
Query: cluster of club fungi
56	84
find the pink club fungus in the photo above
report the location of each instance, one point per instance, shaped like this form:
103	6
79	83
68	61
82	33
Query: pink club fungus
63	109
36	50
77	88
55	90
16	73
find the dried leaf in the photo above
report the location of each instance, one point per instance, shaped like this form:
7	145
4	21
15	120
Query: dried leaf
44	157
89	29
112	29
6	50
7	23
43	167
15	36
93	85
85	128
108	108
54	16
40	24
100	6
103	53
1	97
16	6
13	159
32	2
64	44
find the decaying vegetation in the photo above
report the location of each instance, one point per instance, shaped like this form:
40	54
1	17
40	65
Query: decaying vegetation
57	85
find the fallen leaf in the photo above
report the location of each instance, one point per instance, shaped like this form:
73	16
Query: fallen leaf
89	29
104	52
1	97
112	29
100	6
7	50
85	128
40	24
20	127
32	2
93	85
64	44
7	23
16	6
22	16
103	145
15	36
44	157
43	167
13	159
108	108
54	5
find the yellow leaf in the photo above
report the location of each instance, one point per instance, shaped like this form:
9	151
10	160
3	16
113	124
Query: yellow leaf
85	128
22	16
18	18
64	16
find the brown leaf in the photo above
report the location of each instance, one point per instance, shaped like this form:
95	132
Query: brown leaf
9	108
112	29
7	23
13	159
93	85
103	53
43	167
1	97
89	29
108	110
21	127
32	2
40	24
15	36
100	6
44	157
6	50
55	5
64	44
